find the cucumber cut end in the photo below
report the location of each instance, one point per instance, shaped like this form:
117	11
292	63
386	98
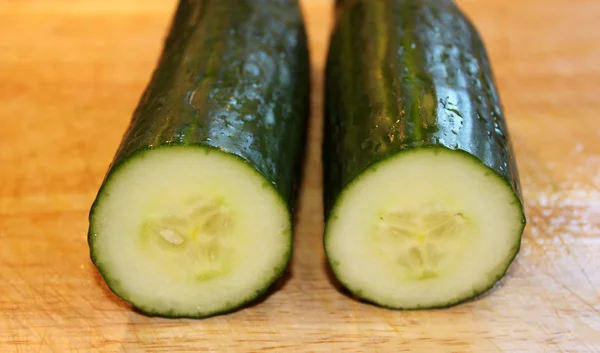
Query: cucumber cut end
189	231
427	228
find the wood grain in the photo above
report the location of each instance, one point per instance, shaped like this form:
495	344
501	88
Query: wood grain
71	73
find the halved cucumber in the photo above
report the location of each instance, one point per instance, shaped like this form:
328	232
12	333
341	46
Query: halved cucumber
187	231
194	217
421	189
425	228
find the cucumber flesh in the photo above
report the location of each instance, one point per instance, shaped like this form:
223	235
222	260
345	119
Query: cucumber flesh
189	231
425	228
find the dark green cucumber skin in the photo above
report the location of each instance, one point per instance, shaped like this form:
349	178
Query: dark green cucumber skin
385	58
234	76
228	66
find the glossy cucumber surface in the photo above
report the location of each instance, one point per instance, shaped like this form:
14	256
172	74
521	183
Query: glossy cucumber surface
194	217
412	77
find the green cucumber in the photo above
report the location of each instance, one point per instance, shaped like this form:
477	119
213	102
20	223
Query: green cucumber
194	217
421	190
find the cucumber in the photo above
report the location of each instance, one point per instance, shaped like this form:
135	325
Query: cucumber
194	216
421	189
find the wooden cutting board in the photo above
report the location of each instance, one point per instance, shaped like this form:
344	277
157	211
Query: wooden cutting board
71	73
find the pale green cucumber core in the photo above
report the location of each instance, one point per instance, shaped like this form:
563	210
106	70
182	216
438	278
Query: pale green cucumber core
195	241
423	241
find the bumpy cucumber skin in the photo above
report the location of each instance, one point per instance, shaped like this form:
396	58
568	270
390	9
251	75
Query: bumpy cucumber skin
234	77
404	75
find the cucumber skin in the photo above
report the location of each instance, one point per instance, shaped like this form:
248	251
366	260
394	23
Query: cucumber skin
227	68
384	58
